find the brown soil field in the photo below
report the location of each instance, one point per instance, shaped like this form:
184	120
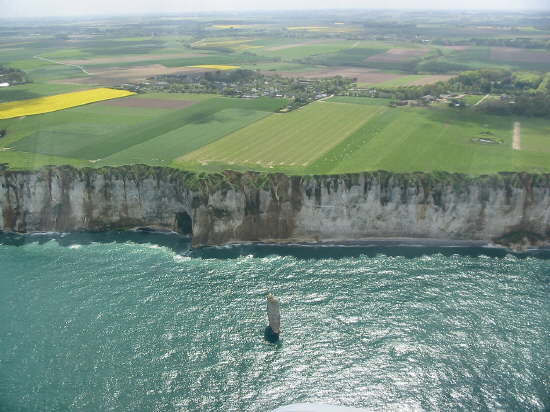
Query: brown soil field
431	79
149	103
398	55
519	55
129	59
362	75
118	75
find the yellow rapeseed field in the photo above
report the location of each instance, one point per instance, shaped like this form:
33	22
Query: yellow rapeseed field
58	102
215	66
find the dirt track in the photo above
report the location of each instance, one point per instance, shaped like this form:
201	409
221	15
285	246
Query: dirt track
82	69
516	144
482	100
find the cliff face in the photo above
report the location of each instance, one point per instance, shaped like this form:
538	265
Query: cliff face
234	207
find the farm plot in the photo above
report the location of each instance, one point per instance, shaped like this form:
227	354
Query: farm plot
130	58
509	54
293	139
503	57
57	102
424	80
338	28
34	90
117	75
150	103
349	57
293	45
95	132
234	44
428	139
305	49
363	75
161	150
399	55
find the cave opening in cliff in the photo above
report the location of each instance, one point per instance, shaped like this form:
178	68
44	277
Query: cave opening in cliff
184	224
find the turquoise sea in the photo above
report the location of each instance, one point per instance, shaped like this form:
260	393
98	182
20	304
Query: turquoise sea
139	322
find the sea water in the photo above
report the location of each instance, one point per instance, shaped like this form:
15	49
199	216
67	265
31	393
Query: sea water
142	323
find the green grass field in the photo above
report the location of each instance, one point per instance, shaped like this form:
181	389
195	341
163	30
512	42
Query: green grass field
103	134
427	139
33	90
347	57
293	139
305	50
161	150
395	139
341	135
481	57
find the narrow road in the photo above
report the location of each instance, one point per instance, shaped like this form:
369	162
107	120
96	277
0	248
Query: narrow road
482	100
324	98
516	144
65	64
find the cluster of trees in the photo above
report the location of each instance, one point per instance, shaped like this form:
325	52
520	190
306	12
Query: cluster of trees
485	81
520	42
526	105
497	81
524	94
439	66
13	76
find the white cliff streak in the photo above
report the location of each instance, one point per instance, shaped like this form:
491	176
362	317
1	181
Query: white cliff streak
234	207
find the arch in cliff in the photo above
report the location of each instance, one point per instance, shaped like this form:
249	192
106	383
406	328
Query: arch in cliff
184	223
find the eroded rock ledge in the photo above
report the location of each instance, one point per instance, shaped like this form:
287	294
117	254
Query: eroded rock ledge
243	207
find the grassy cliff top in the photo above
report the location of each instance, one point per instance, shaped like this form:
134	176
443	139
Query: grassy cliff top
207	133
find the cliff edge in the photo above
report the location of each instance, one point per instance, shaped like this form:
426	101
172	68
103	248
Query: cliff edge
242	207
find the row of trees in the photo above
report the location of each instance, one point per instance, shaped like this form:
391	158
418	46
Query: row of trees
496	81
520	42
535	105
